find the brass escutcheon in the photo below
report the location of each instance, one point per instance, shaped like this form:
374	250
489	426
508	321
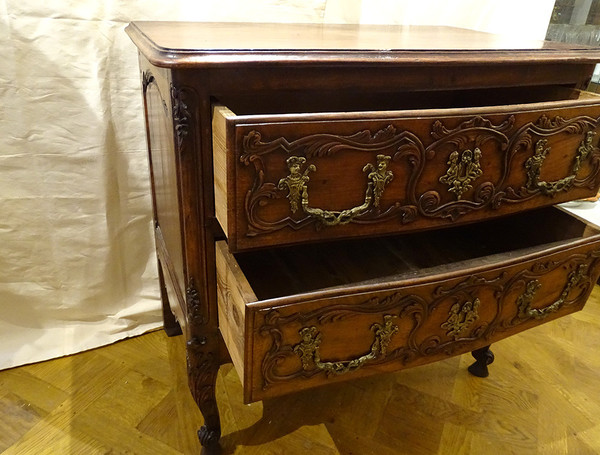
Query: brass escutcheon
460	318
462	173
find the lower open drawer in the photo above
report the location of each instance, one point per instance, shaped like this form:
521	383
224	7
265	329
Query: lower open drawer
303	316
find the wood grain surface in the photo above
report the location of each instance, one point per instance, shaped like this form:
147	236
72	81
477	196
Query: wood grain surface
183	44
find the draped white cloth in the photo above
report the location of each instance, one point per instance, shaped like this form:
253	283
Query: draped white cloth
77	262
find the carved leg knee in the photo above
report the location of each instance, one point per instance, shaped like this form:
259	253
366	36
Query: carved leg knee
483	358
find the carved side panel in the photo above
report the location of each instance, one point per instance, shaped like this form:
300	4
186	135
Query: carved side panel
164	179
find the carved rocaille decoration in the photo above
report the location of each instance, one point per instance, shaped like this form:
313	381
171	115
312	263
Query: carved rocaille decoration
203	365
463	324
202	350
297	186
195	310
147	79
464	148
309	348
202	370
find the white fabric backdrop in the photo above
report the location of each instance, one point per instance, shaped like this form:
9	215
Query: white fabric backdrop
77	265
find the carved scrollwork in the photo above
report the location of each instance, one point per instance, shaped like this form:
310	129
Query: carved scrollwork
465	144
439	131
181	115
405	145
524	139
147	79
195	309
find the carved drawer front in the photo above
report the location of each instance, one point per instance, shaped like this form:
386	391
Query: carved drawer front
291	178
304	316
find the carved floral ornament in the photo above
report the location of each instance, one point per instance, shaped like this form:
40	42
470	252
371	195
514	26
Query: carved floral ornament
464	178
181	114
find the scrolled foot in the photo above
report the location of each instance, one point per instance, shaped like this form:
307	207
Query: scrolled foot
209	438
483	357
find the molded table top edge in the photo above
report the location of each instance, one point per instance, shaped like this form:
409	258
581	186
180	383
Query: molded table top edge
203	44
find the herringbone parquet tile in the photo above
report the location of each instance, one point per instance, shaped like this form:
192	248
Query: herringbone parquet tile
542	397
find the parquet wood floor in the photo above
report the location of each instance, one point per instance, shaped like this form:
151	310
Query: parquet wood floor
542	397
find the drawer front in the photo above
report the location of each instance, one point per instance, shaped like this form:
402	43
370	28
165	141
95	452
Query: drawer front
294	346
290	179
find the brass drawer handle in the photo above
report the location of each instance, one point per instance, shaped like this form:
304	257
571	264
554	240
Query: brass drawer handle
309	348
533	166
297	185
524	300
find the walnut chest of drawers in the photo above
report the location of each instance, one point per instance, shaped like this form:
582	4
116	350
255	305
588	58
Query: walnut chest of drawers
333	202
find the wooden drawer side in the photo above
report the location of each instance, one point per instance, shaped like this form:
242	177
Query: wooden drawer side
233	293
219	140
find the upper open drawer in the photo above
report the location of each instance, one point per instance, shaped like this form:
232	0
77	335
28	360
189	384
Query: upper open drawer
289	178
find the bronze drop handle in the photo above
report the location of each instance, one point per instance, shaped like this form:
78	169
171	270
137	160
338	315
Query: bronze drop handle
297	185
310	354
524	300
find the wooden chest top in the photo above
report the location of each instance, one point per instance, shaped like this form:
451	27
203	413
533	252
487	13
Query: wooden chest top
185	44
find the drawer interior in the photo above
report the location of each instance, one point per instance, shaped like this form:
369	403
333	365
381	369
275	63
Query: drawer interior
306	268
290	102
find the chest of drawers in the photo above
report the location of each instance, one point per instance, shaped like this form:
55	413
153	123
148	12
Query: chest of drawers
332	202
